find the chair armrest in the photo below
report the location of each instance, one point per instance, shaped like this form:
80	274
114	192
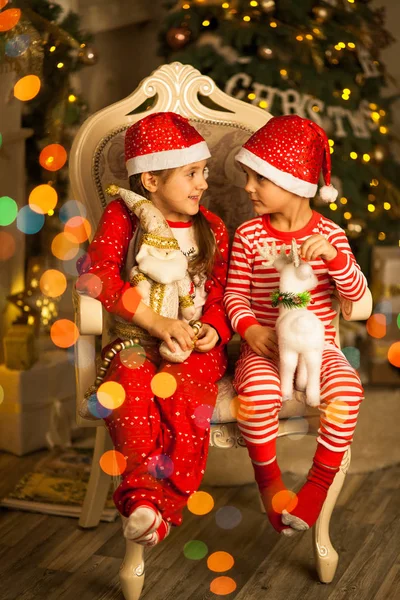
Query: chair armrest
357	311
88	314
89	320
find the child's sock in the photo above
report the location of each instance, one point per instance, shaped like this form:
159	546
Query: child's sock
312	495
151	539
143	520
275	497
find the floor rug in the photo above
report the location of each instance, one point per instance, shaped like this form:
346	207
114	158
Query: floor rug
57	485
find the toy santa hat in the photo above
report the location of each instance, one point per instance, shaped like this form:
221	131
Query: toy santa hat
291	151
156	233
156	230
163	140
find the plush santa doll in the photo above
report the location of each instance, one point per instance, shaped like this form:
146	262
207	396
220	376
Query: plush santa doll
161	271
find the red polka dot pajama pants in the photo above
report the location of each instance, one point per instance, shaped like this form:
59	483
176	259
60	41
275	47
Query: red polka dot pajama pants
165	441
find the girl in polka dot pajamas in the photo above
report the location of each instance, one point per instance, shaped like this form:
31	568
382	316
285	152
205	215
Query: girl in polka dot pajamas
282	162
164	440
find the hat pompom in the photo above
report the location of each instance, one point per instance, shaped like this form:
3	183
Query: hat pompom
328	193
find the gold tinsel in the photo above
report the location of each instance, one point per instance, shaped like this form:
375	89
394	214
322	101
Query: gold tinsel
30	61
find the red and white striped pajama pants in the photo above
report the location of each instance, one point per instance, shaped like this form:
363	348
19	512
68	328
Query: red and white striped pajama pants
145	427
258	386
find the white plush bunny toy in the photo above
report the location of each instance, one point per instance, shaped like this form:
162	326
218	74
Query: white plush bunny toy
161	273
300	333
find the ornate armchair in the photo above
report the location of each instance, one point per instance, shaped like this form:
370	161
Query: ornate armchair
97	158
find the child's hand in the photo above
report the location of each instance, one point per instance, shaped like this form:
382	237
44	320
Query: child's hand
262	340
165	329
316	246
207	338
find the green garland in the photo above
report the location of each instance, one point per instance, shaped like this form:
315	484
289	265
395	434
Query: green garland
290	300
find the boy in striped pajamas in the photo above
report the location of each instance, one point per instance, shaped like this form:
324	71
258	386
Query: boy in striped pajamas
282	162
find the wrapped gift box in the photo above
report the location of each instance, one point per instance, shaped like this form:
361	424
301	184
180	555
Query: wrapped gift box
33	399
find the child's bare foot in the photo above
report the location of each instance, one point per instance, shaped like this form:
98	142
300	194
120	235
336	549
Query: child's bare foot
143	520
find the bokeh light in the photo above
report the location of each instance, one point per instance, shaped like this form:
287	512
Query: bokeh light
27	88
8	210
70	266
163	385
131	299
353	356
113	463
376	325
90	284
1	394
64	333
9	18
202	415
70	209
222	586
18	45
111	394
53	283
228	517
7	245
161	466
29	221
43	198
63	247
53	157
200	503
337	411
220	562
284	500
246	408
96	409
195	550
78	228
134	357
234	406
394	354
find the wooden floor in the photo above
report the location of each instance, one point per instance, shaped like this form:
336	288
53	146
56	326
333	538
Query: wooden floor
50	558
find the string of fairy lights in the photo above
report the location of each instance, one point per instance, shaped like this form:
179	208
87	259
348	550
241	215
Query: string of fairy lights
322	50
29	38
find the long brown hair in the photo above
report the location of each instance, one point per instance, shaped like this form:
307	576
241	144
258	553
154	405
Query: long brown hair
208	250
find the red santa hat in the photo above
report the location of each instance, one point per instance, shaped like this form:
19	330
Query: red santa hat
163	140
291	151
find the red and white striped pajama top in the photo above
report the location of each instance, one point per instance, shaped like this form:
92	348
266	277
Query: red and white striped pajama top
248	302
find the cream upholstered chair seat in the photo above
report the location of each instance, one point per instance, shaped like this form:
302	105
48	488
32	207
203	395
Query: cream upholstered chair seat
97	159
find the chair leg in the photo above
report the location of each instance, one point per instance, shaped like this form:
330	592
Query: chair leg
131	573
99	483
326	557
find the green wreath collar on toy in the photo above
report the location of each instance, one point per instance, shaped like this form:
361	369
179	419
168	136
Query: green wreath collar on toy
289	300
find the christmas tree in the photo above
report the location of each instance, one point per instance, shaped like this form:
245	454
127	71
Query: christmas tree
44	47
316	58
46	43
